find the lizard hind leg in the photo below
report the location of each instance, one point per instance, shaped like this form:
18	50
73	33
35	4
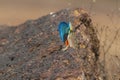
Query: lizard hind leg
67	45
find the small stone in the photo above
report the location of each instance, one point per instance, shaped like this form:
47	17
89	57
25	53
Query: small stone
17	31
51	13
4	41
82	46
76	13
66	62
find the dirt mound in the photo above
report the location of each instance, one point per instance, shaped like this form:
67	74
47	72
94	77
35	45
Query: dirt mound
32	51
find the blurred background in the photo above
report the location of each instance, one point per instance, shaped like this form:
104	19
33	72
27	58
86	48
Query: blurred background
105	15
14	12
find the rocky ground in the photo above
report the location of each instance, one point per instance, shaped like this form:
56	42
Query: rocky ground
32	50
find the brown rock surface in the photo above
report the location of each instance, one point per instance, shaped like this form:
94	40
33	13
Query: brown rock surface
32	51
